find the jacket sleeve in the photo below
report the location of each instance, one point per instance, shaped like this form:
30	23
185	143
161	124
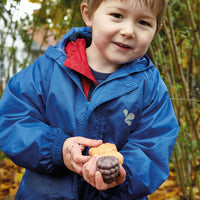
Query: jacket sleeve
25	136
149	147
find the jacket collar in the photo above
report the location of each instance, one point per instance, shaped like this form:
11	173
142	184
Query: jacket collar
77	58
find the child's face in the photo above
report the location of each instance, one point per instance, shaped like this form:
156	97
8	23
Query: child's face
121	31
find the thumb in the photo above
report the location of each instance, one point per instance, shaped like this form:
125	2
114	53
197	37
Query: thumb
100	185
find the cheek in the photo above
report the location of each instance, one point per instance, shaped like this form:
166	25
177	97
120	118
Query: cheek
146	41
101	35
104	28
97	29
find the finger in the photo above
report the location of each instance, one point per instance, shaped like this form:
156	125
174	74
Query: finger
122	175
79	158
88	142
101	185
77	155
77	168
70	164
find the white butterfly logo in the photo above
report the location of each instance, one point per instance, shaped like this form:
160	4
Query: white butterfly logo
129	117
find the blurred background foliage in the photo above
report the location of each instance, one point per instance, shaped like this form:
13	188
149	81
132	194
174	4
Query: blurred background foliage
175	52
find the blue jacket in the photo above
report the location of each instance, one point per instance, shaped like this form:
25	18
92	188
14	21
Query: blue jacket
44	104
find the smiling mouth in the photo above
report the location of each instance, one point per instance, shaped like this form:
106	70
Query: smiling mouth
124	46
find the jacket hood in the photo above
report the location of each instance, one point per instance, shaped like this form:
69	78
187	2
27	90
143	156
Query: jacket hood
58	52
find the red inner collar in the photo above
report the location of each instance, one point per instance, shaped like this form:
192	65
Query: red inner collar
77	61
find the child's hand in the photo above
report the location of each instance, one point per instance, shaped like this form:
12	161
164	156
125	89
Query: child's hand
72	152
94	177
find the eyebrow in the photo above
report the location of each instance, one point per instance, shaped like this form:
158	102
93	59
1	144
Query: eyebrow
144	15
116	7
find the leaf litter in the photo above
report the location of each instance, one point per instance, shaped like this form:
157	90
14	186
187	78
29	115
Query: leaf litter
11	175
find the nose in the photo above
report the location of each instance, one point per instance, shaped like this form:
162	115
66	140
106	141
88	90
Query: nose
128	30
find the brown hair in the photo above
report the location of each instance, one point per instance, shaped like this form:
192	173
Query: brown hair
157	6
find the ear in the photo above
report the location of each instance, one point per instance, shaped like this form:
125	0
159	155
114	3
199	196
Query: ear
85	14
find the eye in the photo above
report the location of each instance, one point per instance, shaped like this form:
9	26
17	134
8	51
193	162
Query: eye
144	23
117	15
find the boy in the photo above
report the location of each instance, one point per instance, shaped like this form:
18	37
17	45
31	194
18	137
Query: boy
94	86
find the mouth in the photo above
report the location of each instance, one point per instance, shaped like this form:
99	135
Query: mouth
121	45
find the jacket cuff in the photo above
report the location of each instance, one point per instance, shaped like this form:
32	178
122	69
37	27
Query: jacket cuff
57	144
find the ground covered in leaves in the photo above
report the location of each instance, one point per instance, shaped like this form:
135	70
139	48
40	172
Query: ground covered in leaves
10	177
